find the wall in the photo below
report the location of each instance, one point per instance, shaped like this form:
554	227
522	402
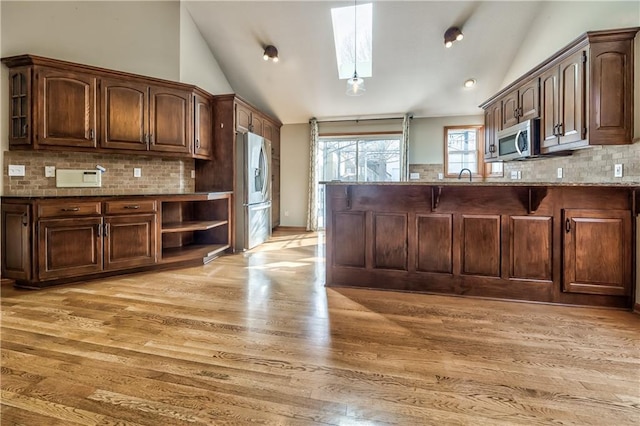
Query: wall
198	66
560	22
294	173
140	37
153	38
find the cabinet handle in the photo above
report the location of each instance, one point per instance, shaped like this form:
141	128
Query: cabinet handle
151	138
71	209
106	229
492	148
99	227
146	138
198	143
560	131
25	222
567	225
515	113
91	134
24	129
132	206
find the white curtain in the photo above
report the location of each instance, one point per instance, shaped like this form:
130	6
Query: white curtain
312	209
404	148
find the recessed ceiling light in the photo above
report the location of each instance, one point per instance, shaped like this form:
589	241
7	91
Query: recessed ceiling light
470	82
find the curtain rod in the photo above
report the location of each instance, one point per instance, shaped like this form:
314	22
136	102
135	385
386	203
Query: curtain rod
362	119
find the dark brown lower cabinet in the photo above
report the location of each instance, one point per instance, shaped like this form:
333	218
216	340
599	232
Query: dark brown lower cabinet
129	241
69	247
597	252
16	230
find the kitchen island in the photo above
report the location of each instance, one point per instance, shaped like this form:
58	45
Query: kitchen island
565	244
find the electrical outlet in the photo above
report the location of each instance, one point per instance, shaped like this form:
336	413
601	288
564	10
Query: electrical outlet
514	174
559	175
617	170
137	172
414	175
16	170
440	176
49	171
193	174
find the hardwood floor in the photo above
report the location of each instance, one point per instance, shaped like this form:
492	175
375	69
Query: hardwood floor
257	338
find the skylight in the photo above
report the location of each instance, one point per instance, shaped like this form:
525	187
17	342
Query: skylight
343	36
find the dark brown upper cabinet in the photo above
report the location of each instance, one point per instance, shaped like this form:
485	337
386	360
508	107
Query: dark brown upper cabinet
521	104
125	115
585	94
65	105
203	127
58	105
170	120
562	118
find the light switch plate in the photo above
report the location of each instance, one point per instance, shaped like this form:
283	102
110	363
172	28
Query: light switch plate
617	170
49	171
16	170
137	172
559	175
440	176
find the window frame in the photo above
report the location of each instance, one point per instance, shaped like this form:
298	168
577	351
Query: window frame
484	169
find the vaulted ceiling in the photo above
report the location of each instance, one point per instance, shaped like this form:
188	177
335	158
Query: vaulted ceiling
412	71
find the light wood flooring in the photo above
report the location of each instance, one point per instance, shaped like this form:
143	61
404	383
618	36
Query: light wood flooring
257	338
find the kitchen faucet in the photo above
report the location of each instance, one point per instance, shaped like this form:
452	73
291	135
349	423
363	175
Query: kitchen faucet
461	171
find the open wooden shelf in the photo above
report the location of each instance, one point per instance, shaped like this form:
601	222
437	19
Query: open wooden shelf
199	225
193	251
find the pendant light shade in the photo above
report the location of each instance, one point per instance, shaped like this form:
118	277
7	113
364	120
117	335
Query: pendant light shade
355	85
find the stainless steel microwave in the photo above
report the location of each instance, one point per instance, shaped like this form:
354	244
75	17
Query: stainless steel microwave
520	141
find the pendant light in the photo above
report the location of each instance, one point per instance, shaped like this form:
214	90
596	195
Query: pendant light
355	85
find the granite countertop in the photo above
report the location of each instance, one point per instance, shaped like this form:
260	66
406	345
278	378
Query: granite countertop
498	184
166	195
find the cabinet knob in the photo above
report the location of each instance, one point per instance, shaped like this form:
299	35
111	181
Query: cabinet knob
151	138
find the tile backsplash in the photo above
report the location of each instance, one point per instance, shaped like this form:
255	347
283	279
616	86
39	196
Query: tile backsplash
589	165
159	175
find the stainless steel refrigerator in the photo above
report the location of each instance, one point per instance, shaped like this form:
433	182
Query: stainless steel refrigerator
253	195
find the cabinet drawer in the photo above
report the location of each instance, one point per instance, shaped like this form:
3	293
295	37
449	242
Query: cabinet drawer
129	206
70	208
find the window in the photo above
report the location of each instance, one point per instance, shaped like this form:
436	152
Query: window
345	26
463	148
357	159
